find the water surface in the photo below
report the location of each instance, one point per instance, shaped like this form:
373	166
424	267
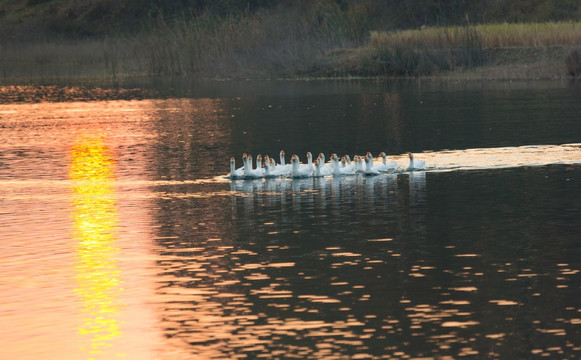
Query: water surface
119	236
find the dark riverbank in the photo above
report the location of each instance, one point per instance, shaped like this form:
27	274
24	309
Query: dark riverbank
274	40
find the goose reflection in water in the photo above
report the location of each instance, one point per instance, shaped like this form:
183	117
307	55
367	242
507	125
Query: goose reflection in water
417	180
382	193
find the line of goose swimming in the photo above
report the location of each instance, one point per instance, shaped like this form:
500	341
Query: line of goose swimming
268	168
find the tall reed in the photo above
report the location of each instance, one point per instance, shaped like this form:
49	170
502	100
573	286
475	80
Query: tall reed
427	50
489	35
256	45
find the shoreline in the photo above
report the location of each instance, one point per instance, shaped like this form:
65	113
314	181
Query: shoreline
504	64
148	88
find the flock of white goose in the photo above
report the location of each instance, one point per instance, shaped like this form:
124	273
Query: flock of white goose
268	168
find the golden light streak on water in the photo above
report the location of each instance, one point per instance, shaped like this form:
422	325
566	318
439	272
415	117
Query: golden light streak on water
95	219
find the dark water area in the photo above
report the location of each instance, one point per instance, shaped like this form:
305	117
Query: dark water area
121	236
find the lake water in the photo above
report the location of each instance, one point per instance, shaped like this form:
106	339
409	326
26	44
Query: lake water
120	238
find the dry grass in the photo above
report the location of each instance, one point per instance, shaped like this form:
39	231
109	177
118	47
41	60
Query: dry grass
432	50
489	36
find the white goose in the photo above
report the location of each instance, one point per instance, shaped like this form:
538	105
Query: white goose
271	169
347	159
309	166
338	169
296	171
326	168
259	162
318	172
416	164
249	173
369	168
359	166
348	168
386	166
268	170
235	173
283	167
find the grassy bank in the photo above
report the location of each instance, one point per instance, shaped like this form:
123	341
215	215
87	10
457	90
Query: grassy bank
535	50
281	44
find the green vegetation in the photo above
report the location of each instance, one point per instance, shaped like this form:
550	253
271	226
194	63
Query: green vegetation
277	38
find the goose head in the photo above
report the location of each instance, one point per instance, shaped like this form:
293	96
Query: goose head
282	162
309	158
232	165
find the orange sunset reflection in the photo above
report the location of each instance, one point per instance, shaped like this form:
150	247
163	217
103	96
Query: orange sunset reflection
95	219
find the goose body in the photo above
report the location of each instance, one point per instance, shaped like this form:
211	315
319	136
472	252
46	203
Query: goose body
386	166
416	164
369	168
275	170
297	171
283	167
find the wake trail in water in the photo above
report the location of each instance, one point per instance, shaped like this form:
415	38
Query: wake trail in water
502	157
